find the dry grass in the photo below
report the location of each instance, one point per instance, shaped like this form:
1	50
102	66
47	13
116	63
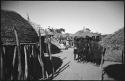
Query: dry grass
114	44
113	55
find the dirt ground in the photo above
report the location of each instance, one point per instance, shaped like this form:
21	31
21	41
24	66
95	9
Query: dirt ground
73	70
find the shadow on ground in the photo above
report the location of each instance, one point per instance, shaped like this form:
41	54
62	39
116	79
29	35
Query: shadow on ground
116	71
61	69
54	49
57	62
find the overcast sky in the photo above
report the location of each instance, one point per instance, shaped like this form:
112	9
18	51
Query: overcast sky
104	17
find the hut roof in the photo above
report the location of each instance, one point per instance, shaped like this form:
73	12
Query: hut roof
82	33
36	27
25	31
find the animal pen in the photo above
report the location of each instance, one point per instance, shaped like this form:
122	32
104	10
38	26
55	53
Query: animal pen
21	50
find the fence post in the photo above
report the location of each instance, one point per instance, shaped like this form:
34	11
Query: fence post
49	50
40	59
26	64
123	57
102	62
51	57
19	55
1	63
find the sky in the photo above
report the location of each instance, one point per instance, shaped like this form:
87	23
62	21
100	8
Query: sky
104	17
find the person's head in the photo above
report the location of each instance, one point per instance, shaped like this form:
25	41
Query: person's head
87	37
97	38
93	38
90	38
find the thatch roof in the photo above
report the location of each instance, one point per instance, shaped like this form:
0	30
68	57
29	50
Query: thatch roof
42	31
83	33
10	19
36	27
115	39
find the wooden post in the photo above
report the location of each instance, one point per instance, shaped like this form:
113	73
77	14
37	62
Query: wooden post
49	51
1	64
40	59
14	57
102	62
13	62
123	57
26	64
51	57
19	54
2	61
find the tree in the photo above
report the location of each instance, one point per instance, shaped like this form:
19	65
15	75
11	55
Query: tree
88	29
60	30
51	29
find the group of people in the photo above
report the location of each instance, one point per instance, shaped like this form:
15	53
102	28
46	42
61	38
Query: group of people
88	49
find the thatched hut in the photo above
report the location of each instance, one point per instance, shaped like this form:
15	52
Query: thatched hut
9	20
22	58
22	53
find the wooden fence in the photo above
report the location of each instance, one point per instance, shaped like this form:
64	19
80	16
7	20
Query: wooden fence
21	55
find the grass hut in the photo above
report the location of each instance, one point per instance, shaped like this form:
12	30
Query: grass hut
16	59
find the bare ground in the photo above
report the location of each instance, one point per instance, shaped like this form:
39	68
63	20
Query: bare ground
72	70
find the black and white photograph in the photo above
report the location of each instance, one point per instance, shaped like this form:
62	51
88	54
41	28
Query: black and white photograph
62	40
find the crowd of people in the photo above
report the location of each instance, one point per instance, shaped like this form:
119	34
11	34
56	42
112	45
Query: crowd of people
88	49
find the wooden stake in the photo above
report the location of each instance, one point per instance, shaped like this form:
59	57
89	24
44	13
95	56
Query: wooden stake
49	51
102	62
123	57
14	57
26	64
40	59
49	47
19	54
1	64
